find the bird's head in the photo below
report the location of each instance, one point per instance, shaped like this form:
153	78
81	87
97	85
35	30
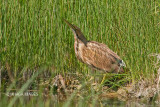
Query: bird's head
77	32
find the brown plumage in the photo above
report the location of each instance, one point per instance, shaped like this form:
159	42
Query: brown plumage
94	54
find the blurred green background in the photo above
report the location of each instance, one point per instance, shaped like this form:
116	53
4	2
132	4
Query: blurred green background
34	34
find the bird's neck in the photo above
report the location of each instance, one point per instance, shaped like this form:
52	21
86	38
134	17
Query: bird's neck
76	44
76	48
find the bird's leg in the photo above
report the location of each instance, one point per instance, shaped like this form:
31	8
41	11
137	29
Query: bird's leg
93	74
119	69
104	77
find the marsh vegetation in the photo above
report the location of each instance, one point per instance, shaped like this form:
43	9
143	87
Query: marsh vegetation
37	60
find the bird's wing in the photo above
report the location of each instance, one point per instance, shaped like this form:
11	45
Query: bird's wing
101	57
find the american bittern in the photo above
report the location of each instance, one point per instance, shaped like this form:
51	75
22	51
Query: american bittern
94	54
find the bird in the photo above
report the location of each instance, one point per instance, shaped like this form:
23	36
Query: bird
96	55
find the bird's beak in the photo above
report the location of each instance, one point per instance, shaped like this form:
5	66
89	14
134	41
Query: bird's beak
70	25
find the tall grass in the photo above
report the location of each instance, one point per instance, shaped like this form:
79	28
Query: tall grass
33	34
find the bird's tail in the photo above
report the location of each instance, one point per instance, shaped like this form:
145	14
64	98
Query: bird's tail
122	64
